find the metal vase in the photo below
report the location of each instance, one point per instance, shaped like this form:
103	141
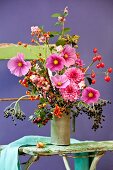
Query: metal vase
60	130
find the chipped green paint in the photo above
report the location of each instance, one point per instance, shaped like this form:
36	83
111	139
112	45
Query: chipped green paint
99	148
73	148
31	52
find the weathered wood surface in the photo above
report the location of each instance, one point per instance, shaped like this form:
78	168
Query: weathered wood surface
10	50
73	148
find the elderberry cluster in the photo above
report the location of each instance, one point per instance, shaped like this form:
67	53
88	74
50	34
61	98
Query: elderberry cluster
93	112
10	111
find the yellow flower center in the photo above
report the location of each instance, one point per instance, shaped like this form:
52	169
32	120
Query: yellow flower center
65	55
20	64
55	62
59	83
90	94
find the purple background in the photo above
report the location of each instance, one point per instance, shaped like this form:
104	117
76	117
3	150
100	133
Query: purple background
93	21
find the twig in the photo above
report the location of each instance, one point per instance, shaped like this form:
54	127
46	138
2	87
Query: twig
13	99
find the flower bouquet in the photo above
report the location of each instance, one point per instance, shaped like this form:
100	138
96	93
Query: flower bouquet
61	82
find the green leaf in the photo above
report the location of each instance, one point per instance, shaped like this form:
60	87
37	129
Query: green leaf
55	33
61	42
51	35
66	30
55	15
42	100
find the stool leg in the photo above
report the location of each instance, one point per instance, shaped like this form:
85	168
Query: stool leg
95	160
31	160
66	163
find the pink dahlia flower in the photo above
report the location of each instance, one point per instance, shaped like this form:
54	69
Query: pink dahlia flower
79	62
60	81
75	74
69	55
90	95
18	66
71	92
55	63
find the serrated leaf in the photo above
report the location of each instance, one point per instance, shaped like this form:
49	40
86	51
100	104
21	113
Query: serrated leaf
55	15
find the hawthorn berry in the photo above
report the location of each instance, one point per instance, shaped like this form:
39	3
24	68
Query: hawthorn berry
102	65
32	40
95	58
99	57
95	50
93	81
110	70
93	75
107	78
98	65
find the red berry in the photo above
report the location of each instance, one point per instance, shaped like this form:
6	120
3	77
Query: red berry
38	119
20	81
95	50
95	58
93	75
93	81
110	70
99	57
102	65
98	65
107	78
32	40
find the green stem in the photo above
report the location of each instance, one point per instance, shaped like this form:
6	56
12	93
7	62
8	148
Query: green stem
62	29
20	99
89	66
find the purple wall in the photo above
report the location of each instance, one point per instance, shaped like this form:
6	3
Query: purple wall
93	21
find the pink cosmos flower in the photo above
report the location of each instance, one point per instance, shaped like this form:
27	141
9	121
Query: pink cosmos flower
55	63
60	81
90	95
71	92
18	66
69	55
75	74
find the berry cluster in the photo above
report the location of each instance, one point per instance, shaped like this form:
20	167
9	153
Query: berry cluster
14	112
93	112
36	81
41	115
100	64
